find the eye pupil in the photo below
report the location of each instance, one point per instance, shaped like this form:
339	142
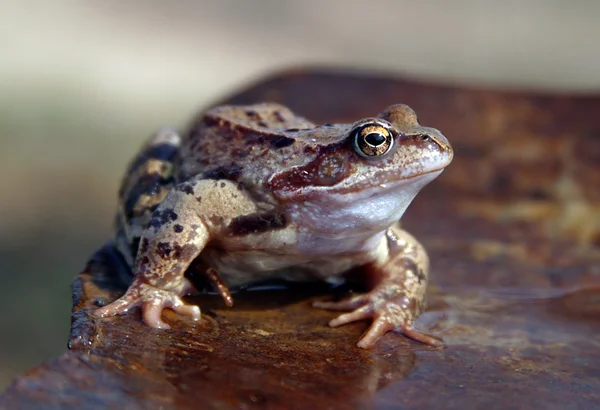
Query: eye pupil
375	139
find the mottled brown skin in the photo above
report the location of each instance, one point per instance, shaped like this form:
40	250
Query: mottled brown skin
255	192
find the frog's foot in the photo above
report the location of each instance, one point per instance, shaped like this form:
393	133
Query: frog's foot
152	301
388	314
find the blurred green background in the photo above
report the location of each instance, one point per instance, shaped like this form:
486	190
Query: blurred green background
83	83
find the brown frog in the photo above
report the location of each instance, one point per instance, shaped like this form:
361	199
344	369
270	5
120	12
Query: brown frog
252	193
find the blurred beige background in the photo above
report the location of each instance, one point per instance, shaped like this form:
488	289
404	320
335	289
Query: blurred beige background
83	83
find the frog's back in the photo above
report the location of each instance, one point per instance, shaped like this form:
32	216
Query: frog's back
242	143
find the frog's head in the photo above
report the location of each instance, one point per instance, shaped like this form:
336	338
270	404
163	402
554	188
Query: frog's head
367	172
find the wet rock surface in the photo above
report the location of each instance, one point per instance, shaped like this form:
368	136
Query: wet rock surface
513	231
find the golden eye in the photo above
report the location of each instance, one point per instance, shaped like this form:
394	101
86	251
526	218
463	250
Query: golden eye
373	140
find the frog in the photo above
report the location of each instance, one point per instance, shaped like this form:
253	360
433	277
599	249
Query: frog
251	193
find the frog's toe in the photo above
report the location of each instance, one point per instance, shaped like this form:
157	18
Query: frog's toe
384	323
188	310
364	312
422	337
152	314
152	310
118	307
350	303
152	301
184	309
387	316
378	328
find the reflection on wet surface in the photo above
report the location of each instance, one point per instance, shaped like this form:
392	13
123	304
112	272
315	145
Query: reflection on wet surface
514	293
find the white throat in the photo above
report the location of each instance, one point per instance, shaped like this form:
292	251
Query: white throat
365	212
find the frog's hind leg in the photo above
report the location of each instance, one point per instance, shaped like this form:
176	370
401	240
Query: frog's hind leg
148	180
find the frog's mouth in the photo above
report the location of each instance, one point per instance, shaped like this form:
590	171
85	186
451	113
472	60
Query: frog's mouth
371	189
398	189
370	186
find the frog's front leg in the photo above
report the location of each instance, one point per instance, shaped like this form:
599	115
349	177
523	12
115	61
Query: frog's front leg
173	238
397	297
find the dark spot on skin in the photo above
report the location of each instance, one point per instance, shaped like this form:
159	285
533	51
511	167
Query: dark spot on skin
178	228
328	125
292	130
183	253
144	246
257	223
148	184
262	124
216	220
163	249
199	199
164	152
159	218
421	275
178	252
231	173
144	261
282	142
253	115
100	302
410	265
222	184
279	116
240	187
192	235
186	187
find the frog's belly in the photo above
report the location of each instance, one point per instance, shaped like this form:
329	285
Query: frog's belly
240	268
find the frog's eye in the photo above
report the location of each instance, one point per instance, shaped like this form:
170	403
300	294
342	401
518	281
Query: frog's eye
372	140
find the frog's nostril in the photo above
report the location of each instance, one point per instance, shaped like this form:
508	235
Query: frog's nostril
435	139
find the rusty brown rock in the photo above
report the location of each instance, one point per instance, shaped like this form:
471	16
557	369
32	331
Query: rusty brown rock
513	231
